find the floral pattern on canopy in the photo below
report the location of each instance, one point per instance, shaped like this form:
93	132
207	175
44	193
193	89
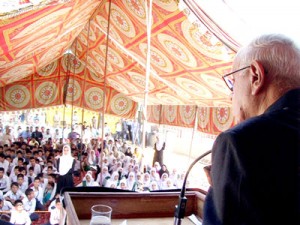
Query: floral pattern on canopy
55	53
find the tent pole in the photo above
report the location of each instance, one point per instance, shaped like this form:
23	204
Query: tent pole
66	91
148	61
85	71
65	95
73	85
193	134
159	121
104	89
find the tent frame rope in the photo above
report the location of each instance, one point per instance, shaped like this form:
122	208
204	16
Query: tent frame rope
84	82
105	87
148	66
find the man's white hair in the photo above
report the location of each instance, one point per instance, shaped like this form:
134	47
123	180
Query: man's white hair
279	56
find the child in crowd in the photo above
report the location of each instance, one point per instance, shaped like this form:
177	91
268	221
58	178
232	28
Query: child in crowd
19	215
29	203
58	214
48	193
14	194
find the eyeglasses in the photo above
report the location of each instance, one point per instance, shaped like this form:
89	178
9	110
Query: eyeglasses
229	79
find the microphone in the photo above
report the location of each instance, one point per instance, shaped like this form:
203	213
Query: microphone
180	208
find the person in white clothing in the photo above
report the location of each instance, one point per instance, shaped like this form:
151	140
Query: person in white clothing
4	163
5	205
58	214
36	167
38	192
7	137
53	203
49	165
5	208
4	181
88	181
56	119
19	215
65	169
131	183
46	136
29	203
14	194
22	184
16	159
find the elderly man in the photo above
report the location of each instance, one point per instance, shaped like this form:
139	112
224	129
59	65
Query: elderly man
255	165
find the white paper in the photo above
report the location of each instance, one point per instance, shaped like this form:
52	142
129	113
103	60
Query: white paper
194	219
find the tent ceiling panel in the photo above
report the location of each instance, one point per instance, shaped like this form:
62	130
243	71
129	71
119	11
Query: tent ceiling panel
186	60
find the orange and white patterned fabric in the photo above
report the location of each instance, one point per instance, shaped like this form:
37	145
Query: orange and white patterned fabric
187	61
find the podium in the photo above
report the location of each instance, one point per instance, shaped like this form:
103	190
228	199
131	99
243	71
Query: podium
129	205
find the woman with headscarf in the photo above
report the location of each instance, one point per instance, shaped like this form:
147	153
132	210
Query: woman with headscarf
159	148
146	182
127	169
180	180
163	169
103	176
122	184
169	185
154	186
92	159
162	183
65	167
116	167
131	184
154	176
114	180
139	181
174	175
88	180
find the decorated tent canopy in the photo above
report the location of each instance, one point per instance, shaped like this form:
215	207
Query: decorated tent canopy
62	52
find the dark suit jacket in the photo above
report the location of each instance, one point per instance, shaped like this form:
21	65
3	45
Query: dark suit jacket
255	169
37	135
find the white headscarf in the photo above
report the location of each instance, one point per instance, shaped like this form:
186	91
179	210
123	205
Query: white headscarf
146	180
113	180
92	182
131	181
92	157
159	143
153	188
123	181
163	181
65	161
105	175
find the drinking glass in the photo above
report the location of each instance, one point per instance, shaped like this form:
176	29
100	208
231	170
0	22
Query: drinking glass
101	215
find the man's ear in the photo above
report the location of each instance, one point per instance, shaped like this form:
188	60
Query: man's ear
257	76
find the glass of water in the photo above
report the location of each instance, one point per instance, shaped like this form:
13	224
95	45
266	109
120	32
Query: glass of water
101	215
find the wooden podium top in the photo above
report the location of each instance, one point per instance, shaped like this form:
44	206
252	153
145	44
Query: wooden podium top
144	221
136	208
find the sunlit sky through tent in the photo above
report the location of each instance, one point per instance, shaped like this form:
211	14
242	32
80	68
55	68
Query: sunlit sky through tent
244	20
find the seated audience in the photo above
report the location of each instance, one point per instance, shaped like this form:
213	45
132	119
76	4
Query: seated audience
14	193
19	215
29	204
4	181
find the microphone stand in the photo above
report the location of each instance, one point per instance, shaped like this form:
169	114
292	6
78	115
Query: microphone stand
180	208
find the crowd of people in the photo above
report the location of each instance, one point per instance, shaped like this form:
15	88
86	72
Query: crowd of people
36	165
